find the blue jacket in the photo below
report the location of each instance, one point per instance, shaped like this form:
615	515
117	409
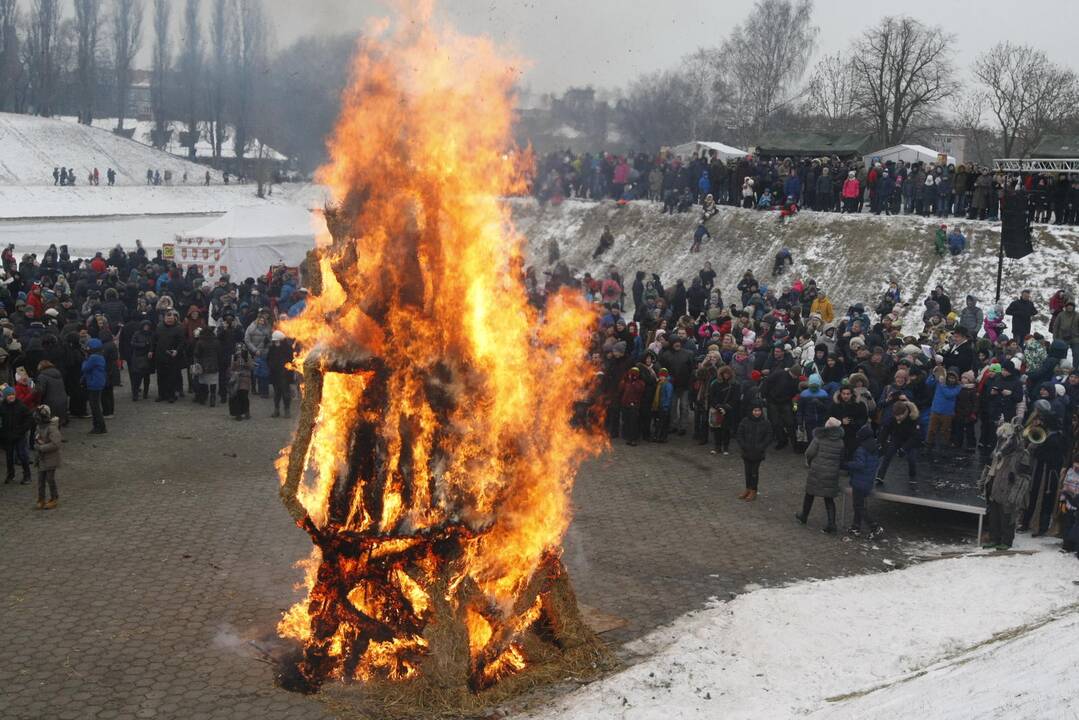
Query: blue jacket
956	241
863	465
93	372
813	407
792	188
704	184
944	397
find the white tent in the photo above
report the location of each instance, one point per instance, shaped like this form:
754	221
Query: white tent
905	153
247	242
724	152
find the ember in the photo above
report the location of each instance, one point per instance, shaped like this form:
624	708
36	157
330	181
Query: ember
434	459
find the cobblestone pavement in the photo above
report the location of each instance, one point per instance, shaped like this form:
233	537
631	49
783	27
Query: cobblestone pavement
153	590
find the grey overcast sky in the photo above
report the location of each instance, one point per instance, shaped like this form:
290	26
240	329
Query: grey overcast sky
607	43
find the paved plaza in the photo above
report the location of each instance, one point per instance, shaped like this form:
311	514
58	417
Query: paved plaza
153	590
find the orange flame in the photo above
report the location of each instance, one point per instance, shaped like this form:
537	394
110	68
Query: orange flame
474	396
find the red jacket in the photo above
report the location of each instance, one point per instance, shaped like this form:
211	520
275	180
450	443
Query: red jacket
99	265
852	188
632	391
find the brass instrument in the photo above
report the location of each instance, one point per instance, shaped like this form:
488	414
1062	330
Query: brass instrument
1034	434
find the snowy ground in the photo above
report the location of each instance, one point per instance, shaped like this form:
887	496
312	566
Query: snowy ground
980	636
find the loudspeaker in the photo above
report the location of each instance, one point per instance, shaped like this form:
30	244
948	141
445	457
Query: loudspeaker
1015	231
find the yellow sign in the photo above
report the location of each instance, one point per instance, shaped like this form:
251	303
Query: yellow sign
168	251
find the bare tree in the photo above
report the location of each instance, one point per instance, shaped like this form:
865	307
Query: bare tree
191	72
161	67
10	63
1026	93
767	56
830	92
709	99
126	42
656	110
221	37
968	116
42	39
87	26
251	57
902	70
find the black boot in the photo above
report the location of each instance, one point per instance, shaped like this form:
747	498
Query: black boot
830	527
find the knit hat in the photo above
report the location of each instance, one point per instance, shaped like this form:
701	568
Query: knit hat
994	368
278	336
52	312
833	422
8	390
94	344
755	376
815	381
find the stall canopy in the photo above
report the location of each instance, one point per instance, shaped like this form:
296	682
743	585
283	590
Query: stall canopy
796	144
724	152
905	153
247	242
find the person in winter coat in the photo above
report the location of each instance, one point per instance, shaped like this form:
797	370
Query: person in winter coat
1021	311
863	471
1065	327
852	190
139	365
167	356
942	411
257	340
972	317
15	422
957	243
824	457
240	368
51	391
900	433
631	396
206	354
47	451
754	434
814	404
111	353
823	306
95	379
662	400
278	358
1005	483
723	400
1049	457
852	415
779	390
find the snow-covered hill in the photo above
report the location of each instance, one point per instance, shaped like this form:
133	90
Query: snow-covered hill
30	147
852	257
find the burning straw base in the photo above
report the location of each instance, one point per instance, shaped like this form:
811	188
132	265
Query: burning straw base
558	647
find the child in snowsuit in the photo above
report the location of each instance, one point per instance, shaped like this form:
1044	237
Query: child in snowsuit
47	445
863	469
754	434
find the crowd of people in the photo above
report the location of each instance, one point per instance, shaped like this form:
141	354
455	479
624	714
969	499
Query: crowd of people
70	327
829	184
778	366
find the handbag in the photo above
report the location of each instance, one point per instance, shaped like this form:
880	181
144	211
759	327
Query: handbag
716	416
800	434
196	369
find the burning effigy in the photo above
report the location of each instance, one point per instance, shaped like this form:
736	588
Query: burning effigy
434	458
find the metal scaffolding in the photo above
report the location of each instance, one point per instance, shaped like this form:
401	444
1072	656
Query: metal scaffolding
1038	165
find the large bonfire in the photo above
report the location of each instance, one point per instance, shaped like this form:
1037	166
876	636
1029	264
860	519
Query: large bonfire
435	455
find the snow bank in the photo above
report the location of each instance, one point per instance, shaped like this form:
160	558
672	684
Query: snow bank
851	256
30	147
83	201
979	636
